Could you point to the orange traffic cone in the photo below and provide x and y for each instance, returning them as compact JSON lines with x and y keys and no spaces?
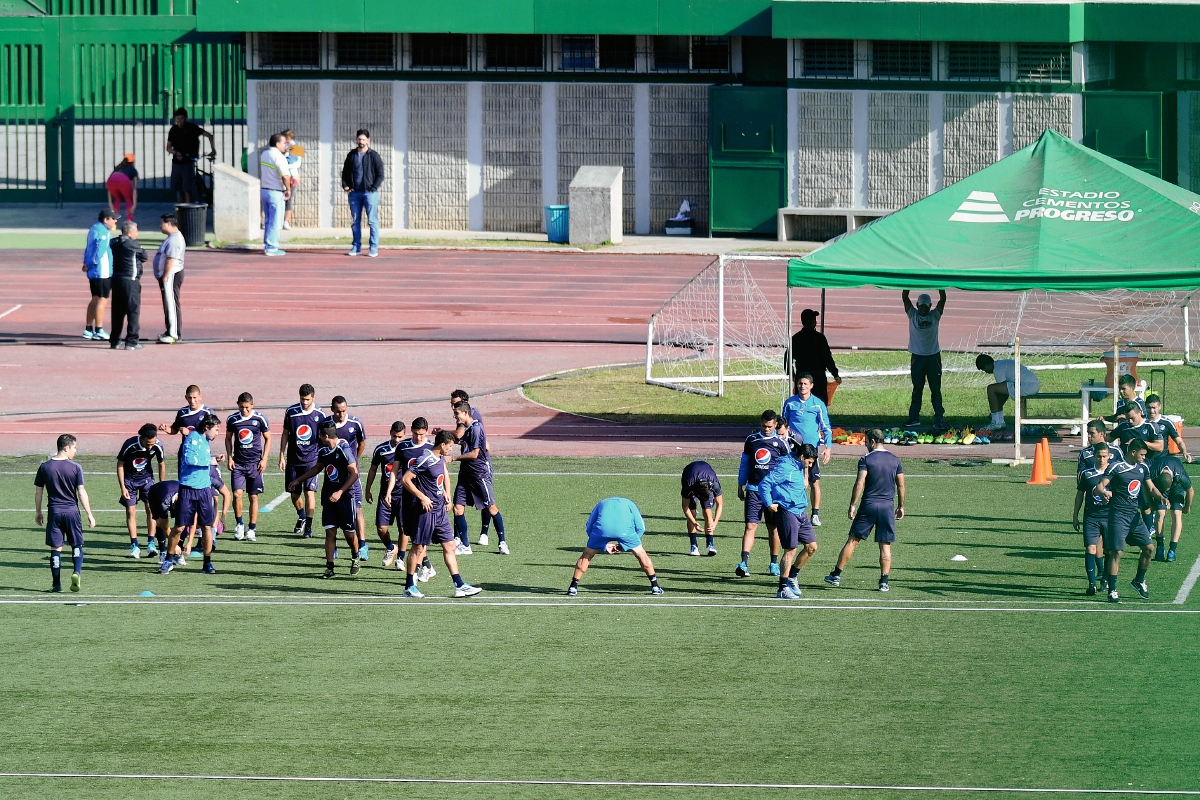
{"x":1041,"y":469}
{"x":1045,"y":445}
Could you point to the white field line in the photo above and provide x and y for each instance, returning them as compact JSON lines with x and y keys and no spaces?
{"x":271,"y":506}
{"x":675,"y":475}
{"x":583,"y":782}
{"x":1189,"y":583}
{"x":11,"y":310}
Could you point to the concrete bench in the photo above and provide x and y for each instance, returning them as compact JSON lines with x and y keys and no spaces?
{"x":822,"y":224}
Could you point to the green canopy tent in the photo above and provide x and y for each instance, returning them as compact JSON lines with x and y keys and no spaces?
{"x":1054,"y":216}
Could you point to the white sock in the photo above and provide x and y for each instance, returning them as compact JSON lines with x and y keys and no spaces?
{"x":998,"y":418}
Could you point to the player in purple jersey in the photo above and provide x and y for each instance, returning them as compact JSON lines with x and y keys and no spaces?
{"x":407,"y":453}
{"x":336,"y":461}
{"x":383,"y":461}
{"x":425,"y":517}
{"x":700,"y":487}
{"x":187,"y":416}
{"x":759,"y":453}
{"x":458,"y":397}
{"x":350,"y":430}
{"x":247,"y":446}
{"x":135,"y":476}
{"x":297,"y":454}
{"x":880,"y":483}
{"x":61,"y":479}
{"x":474,"y":486}
{"x":1122,"y":486}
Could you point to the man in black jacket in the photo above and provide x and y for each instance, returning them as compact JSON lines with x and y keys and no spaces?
{"x":811,"y":354}
{"x":362,"y":175}
{"x":128,"y":258}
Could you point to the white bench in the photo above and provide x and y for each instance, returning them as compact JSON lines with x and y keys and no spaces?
{"x":791,"y":220}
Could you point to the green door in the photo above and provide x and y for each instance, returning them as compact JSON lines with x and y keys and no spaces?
{"x":747,"y":158}
{"x":1126,"y":126}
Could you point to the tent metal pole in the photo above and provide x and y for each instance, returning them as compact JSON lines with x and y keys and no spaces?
{"x":1116,"y":387}
{"x":649,"y":347}
{"x":721,"y":327}
{"x":1017,"y":399}
{"x":822,"y":311}
{"x":1187,"y":334}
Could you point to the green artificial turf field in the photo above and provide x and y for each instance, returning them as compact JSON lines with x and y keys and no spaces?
{"x":994,"y":672}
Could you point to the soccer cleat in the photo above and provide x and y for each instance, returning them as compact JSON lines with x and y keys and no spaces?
{"x":413,"y":591}
{"x":1171,"y":555}
{"x":656,"y":590}
{"x":572,"y":591}
{"x":166,"y":566}
{"x":239,"y":532}
{"x":152,"y":548}
{"x":307,"y":533}
{"x":424,"y":573}
{"x":135,"y":346}
{"x":773,"y":569}
{"x":134,"y":551}
{"x":180,"y":561}
{"x":1091,"y":590}
{"x":363,"y":553}
{"x":795,"y":584}
{"x":695,"y":551}
{"x":1113,"y":597}
{"x":389,"y":557}
{"x":355,"y":566}
{"x":833,"y":580}
{"x":87,"y":334}
{"x":712,"y":550}
{"x":167,"y":339}
{"x":209,"y":569}
{"x":787,"y":593}
{"x":352,"y":253}
{"x":328,"y":573}
{"x":884,"y":587}
{"x":816,"y":521}
{"x":503,"y":550}
{"x":466,"y":590}
{"x":251,"y":535}
{"x":298,"y":528}
{"x":483,"y":540}
{"x":742,"y":570}
{"x":75,"y":582}
{"x":1141,"y":588}
{"x":461,"y":549}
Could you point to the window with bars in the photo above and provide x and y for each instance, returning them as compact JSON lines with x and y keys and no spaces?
{"x":289,"y":50}
{"x":366,"y":50}
{"x":1191,"y":62}
{"x":671,"y":54}
{"x":618,"y":52}
{"x":1043,"y":62}
{"x":973,"y":61}
{"x":514,"y":51}
{"x":901,"y":60}
{"x":710,"y":53}
{"x":440,"y":51}
{"x":578,"y":53}
{"x":827,"y":58}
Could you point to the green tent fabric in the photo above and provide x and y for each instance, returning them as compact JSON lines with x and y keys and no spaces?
{"x":1055,"y":216}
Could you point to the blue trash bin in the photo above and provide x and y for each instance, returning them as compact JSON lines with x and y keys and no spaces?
{"x":558,"y":224}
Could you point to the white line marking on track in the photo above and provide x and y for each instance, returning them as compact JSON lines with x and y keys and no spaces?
{"x":14,"y":308}
{"x":271,"y":506}
{"x":1189,"y":583}
{"x":584,"y":782}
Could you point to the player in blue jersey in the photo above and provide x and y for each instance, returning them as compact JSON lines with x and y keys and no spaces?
{"x":1175,"y":486}
{"x":187,"y":416}
{"x":339,"y":466}
{"x":1095,"y":514}
{"x":383,"y":461}
{"x":880,"y":486}
{"x":700,"y":489}
{"x":425,"y":517}
{"x":135,"y":476}
{"x":457,"y":398}
{"x":1122,"y":485}
{"x":407,"y":454}
{"x":1165,"y":428}
{"x":783,"y":491}
{"x":297,"y":454}
{"x":474,"y":485}
{"x":759,"y":453}
{"x":163,"y":502}
{"x":247,"y":446}
{"x":351,"y":431}
{"x":195,"y":504}
{"x":808,"y":418}
{"x":61,"y":480}
{"x":615,"y":526}
{"x":1097,"y":433}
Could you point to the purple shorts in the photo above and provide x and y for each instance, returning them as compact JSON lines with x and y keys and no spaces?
{"x":880,"y":516}
{"x":794,"y":530}
{"x":64,"y":526}
{"x":339,"y":514}
{"x":218,"y":483}
{"x":246,"y":478}
{"x":294,"y":471}
{"x":195,"y":505}
{"x":474,"y":490}
{"x":139,"y":491}
{"x":428,"y":528}
{"x":755,"y":510}
{"x":387,"y":515}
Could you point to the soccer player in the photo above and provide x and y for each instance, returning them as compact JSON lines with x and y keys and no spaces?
{"x":458,"y":397}
{"x":408,"y":452}
{"x":135,"y":476}
{"x":187,"y":417}
{"x":195,"y":504}
{"x":247,"y":446}
{"x":1135,"y":428}
{"x":1175,"y":486}
{"x":474,"y":485}
{"x":1122,"y":486}
{"x":425,"y":517}
{"x":350,"y":430}
{"x":1097,"y":432}
{"x":62,"y":481}
{"x":1126,"y":397}
{"x":337,"y":461}
{"x":298,"y":453}
{"x":783,"y":491}
{"x":383,"y":460}
{"x":1166,"y":429}
{"x":615,"y":526}
{"x":880,"y":483}
{"x":760,"y":452}
{"x":1095,"y":514}
{"x":163,"y":502}
{"x":808,"y":418}
{"x":701,"y":487}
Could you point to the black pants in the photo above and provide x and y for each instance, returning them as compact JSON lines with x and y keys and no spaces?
{"x":126,"y":310}
{"x":926,"y":368}
{"x":172,"y":311}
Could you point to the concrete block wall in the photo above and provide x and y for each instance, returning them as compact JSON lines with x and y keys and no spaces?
{"x":361,"y":104}
{"x":437,"y":155}
{"x":1035,"y":113}
{"x":596,"y":128}
{"x":291,"y":104}
{"x":512,"y":157}
{"x":678,"y":153}
{"x":824,"y":149}
{"x":969,"y":135}
{"x":898,"y":155}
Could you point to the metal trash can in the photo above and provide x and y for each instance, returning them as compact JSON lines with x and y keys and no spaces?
{"x":193,"y":222}
{"x":558,"y":227}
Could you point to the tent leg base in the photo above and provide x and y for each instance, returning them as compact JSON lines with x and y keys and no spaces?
{"x":1012,"y":462}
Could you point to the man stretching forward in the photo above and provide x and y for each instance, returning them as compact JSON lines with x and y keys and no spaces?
{"x":701,"y":488}
{"x":62,"y":481}
{"x":880,"y":480}
{"x":614,"y":526}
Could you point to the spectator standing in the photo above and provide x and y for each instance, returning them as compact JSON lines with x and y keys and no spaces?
{"x":122,"y":186}
{"x":925,"y":363}
{"x":183,"y":143}
{"x":97,"y":264}
{"x":128,"y":258}
{"x":168,"y":268}
{"x":276,"y":187}
{"x":811,"y":354}
{"x":295,"y":155}
{"x":362,"y":175}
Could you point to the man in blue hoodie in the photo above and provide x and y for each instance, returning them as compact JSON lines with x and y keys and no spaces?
{"x":98,"y":264}
{"x":783,"y":492}
{"x":195,"y":503}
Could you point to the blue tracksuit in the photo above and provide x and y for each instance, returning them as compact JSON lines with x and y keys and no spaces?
{"x":810,"y":419}
{"x":784,"y":486}
{"x":194,"y":461}
{"x":97,"y":254}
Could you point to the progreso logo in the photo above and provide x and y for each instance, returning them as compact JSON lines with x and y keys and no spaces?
{"x":1064,"y":204}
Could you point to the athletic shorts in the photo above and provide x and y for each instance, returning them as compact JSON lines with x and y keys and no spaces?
{"x":598,"y":541}
{"x":195,"y":504}
{"x":474,"y":490}
{"x":794,"y":530}
{"x":387,"y":515}
{"x":139,"y":490}
{"x":294,"y":471}
{"x":880,"y":516}
{"x":160,"y":506}
{"x":64,"y":527}
{"x":214,"y":474}
{"x":814,"y":472}
{"x":246,"y":478}
{"x":1094,"y":528}
{"x":1173,"y":501}
{"x":339,"y":514}
{"x":183,"y":176}
{"x":756,"y":511}
{"x":1125,"y":527}
{"x":428,"y":528}
{"x":356,"y":493}
{"x":101,"y":287}
{"x":693,"y":497}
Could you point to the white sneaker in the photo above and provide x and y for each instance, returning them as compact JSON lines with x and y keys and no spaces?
{"x":251,"y":536}
{"x":695,"y":551}
{"x":167,"y":339}
{"x":180,"y":560}
{"x":816,"y":521}
{"x":425,"y":573}
{"x":352,"y":253}
{"x":239,"y":532}
{"x":483,"y":540}
{"x":287,"y":226}
{"x":466,"y":590}
{"x":504,"y":548}
{"x":461,"y":549}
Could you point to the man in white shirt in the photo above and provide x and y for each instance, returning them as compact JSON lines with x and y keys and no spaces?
{"x":1004,"y":371}
{"x":925,"y":362}
{"x":275,"y":177}
{"x":168,"y":268}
